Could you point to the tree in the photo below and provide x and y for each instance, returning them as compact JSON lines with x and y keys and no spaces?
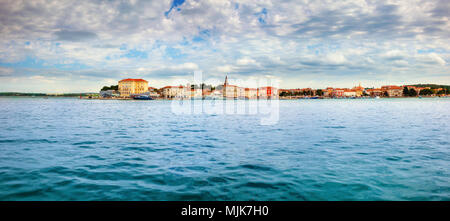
{"x":365,"y":93}
{"x":426,"y":92}
{"x":386,"y":94}
{"x":112,"y":87}
{"x":405,"y":91}
{"x":319,"y":92}
{"x":412,"y":92}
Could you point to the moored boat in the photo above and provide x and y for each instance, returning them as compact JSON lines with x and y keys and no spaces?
{"x":142,"y":97}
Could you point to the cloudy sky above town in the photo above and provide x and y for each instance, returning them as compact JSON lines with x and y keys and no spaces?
{"x":80,"y":46}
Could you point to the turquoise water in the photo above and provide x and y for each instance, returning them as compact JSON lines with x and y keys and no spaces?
{"x":374,"y":149}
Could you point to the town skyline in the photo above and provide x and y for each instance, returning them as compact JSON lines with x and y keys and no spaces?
{"x":216,"y":83}
{"x":136,"y":88}
{"x":60,"y":47}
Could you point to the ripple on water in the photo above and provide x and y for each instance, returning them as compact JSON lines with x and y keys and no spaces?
{"x":256,"y":167}
{"x":85,"y":143}
{"x":103,"y":150}
{"x":32,"y":141}
{"x":139,"y":149}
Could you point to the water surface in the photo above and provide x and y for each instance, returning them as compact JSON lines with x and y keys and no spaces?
{"x":72,"y":149}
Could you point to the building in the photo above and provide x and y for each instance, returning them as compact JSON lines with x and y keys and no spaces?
{"x":392,"y":90}
{"x":196,"y":93}
{"x":375,"y":92}
{"x":153,"y":92}
{"x":251,"y":93}
{"x":349,"y":93}
{"x":109,"y":94}
{"x":129,"y":87}
{"x":216,"y":94}
{"x":267,"y":92}
{"x":206,"y":92}
{"x":175,"y":92}
{"x":338,"y":92}
{"x":328,"y":92}
{"x":241,"y":92}
{"x":232,"y":91}
{"x":358,"y":90}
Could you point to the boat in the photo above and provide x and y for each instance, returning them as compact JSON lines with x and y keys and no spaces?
{"x":142,"y":97}
{"x":377,"y":97}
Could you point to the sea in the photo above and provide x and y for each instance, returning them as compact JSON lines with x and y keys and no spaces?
{"x":324,"y":149}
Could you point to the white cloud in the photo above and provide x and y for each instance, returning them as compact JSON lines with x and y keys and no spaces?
{"x":245,"y":61}
{"x":336,"y":58}
{"x":104,"y":40}
{"x":431,"y":58}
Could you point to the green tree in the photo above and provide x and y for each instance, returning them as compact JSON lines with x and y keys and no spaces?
{"x":365,"y":93}
{"x":319,"y":92}
{"x":426,"y":92}
{"x":405,"y":91}
{"x":412,"y":92}
{"x":112,"y":87}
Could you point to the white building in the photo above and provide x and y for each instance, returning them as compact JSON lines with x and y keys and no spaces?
{"x":350,"y":93}
{"x":267,"y":92}
{"x":175,"y":92}
{"x":196,"y":93}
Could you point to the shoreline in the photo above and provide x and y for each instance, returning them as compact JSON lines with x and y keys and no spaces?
{"x":299,"y":98}
{"x":279,"y":98}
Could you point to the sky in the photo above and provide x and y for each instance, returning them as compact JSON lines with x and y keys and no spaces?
{"x":80,"y":46}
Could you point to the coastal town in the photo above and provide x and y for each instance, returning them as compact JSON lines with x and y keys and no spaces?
{"x":139,"y":89}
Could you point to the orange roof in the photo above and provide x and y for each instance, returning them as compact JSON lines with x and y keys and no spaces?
{"x":131,"y":79}
{"x":268,"y":87}
{"x":174,"y":86}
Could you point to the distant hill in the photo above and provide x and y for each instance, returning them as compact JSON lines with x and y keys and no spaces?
{"x":432,"y":86}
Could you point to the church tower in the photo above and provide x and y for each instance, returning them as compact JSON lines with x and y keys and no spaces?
{"x":225,"y":85}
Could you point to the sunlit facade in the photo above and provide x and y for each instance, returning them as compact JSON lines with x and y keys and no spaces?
{"x":129,"y":87}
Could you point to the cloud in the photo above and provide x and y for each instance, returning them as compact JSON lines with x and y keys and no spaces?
{"x":294,"y":40}
{"x":75,"y":35}
{"x":6,"y":71}
{"x":432,"y":58}
{"x":245,"y":61}
{"x":395,"y":55}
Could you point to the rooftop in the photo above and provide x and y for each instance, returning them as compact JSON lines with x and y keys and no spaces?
{"x":131,"y":79}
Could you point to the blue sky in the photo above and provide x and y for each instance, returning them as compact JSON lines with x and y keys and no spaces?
{"x":59,"y":46}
